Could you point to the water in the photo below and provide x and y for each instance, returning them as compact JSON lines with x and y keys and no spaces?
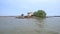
{"x":11,"y":25}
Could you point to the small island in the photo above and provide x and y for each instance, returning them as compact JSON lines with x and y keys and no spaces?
{"x":35,"y":14}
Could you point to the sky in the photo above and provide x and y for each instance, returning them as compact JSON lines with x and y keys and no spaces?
{"x":17,"y":7}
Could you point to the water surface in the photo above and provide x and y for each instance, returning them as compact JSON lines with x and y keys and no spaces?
{"x":11,"y":25}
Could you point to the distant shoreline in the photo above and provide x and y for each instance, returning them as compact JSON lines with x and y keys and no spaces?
{"x":52,"y":16}
{"x":7,"y":16}
{"x":15,"y":16}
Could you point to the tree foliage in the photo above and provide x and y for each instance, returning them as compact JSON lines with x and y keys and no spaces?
{"x":22,"y":14}
{"x":39,"y":13}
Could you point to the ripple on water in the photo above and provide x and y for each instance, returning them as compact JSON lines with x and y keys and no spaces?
{"x":26,"y":26}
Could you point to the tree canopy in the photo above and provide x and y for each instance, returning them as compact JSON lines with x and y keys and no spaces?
{"x":39,"y":13}
{"x":22,"y":14}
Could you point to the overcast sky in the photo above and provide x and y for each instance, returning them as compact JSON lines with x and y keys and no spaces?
{"x":17,"y":7}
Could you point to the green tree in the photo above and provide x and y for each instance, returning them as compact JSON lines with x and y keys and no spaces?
{"x":39,"y":13}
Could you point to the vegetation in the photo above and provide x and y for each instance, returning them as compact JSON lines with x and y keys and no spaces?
{"x":22,"y":14}
{"x":40,"y":13}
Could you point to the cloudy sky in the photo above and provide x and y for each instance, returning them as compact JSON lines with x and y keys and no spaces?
{"x":17,"y":7}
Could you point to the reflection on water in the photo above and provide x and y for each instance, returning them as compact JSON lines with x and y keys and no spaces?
{"x":11,"y":25}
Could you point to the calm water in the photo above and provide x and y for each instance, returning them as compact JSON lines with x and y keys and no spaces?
{"x":11,"y":25}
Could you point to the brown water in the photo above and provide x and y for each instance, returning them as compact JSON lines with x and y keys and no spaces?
{"x":11,"y":25}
